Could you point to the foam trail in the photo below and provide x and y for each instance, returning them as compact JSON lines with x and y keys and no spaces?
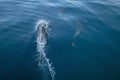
{"x":42,"y":31}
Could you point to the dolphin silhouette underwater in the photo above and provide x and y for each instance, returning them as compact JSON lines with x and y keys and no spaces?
{"x":77,"y":32}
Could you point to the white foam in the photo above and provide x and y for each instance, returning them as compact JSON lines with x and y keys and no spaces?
{"x":41,"y":40}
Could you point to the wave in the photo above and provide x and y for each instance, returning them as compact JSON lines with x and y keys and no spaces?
{"x":42,"y":31}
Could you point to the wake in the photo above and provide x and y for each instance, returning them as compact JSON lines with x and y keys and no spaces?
{"x":42,"y":31}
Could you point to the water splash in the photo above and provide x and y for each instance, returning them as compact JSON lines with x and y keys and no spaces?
{"x":42,"y":31}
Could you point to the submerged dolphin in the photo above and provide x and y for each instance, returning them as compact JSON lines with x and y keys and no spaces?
{"x":77,"y":32}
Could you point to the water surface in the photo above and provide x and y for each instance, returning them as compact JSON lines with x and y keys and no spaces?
{"x":96,"y":50}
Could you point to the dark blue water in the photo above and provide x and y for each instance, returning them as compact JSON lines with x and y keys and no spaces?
{"x":84,"y":43}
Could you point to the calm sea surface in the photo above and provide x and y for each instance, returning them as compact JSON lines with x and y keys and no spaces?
{"x":84,"y":43}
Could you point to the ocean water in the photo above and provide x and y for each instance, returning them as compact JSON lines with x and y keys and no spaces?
{"x":83,"y":44}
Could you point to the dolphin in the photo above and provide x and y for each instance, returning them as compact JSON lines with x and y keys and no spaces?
{"x":41,"y":28}
{"x":77,"y":32}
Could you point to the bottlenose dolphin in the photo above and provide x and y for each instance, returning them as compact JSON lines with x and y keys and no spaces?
{"x":77,"y":32}
{"x":41,"y":28}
